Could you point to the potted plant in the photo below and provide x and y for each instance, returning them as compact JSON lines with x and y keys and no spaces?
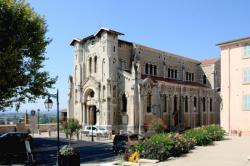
{"x":69,"y":155}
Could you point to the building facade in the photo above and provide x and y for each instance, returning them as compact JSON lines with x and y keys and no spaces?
{"x":123,"y":85}
{"x":235,"y":85}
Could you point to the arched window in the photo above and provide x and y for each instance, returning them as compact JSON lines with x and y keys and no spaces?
{"x":186,"y":104}
{"x":103,"y":92}
{"x":204,"y":104}
{"x":90,"y":65}
{"x":175,"y":113}
{"x":114,"y":91}
{"x":103,"y":61}
{"x":75,"y":74}
{"x":151,"y":69}
{"x":124,"y":103}
{"x":95,"y":63}
{"x":76,"y":96}
{"x":211,"y":104}
{"x":155,"y":70}
{"x":175,"y":74}
{"x":195,"y":104}
{"x":172,"y":73}
{"x":169,"y":73}
{"x":165,"y":103}
{"x":175,"y":103}
{"x":146,"y":68}
{"x":204,"y":79}
{"x":149,"y":102}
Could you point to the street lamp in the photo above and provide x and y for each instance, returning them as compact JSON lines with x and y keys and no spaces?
{"x":48,"y":105}
{"x":38,"y":110}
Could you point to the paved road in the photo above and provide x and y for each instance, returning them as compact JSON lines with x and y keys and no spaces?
{"x":44,"y":151}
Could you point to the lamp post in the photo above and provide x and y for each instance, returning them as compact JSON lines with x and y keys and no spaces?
{"x":48,"y":105}
{"x":38,"y":127}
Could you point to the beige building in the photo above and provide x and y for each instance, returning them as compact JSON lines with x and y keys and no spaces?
{"x":124,"y":85}
{"x":235,"y":84}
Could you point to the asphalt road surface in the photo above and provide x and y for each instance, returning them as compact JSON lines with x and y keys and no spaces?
{"x":45,"y":149}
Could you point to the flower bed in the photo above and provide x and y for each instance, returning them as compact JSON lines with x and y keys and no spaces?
{"x":156,"y":147}
{"x":164,"y":145}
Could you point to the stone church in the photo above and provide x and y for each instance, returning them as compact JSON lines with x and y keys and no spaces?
{"x":122,"y":85}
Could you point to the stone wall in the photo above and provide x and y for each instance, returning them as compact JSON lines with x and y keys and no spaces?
{"x":7,"y":128}
{"x":22,"y":128}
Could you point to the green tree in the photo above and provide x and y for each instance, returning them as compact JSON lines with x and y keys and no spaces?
{"x":71,"y":127}
{"x":22,"y":47}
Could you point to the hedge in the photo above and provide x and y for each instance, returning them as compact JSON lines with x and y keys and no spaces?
{"x":164,"y":145}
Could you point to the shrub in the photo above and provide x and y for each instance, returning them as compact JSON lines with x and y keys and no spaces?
{"x":200,"y":135}
{"x":162,"y":146}
{"x":157,"y":147}
{"x":181,"y":144}
{"x":158,"y":126}
{"x":67,"y":150}
{"x":215,"y":132}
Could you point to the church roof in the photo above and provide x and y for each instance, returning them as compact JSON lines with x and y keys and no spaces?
{"x":180,"y":82}
{"x":96,"y":34}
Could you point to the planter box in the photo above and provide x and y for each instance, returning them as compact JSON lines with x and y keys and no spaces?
{"x":69,"y":160}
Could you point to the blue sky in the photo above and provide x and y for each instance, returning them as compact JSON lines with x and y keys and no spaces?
{"x":186,"y":27}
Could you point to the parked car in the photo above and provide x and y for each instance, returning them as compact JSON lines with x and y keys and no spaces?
{"x":96,"y":130}
{"x":123,"y":141}
{"x":13,"y":149}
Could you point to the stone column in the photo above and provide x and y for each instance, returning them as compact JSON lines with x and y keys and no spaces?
{"x":141,"y":103}
{"x":190,"y":105}
{"x":208,"y":110}
{"x":169,"y":102}
{"x":181,"y":109}
{"x":83,"y":114}
{"x":88,"y":122}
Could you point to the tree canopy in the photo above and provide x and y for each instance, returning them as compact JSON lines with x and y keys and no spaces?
{"x":23,"y":44}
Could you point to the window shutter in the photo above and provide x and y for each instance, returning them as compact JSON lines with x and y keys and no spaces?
{"x":247,"y":50}
{"x":245,"y":102}
{"x":246,"y":78}
{"x":248,"y":102}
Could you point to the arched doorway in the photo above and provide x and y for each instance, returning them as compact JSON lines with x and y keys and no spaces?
{"x":92,"y":115}
{"x":91,"y":109}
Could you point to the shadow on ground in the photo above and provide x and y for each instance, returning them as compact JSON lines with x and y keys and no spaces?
{"x":90,"y":152}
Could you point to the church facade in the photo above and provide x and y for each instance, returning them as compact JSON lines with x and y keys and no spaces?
{"x":126,"y":86}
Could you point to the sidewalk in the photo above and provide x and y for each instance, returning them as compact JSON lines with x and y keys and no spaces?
{"x":234,"y":151}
